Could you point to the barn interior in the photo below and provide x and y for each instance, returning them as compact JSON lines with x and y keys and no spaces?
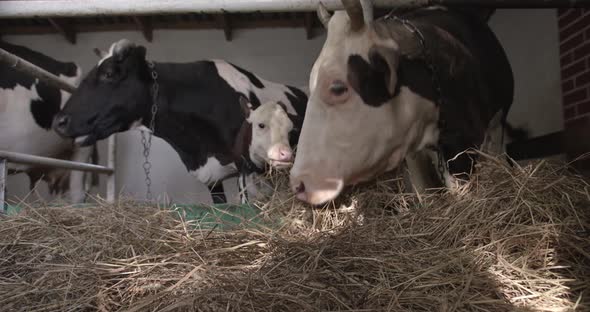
{"x":290,"y":41}
{"x":549,"y":50}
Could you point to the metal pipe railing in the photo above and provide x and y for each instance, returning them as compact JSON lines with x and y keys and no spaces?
{"x":26,"y":159}
{"x":67,"y":8}
{"x":3,"y":176}
{"x":31,"y":69}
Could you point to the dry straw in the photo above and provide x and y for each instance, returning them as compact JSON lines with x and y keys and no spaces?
{"x":512,"y":239}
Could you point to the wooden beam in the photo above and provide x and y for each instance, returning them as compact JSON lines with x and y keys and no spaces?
{"x":145,"y":25}
{"x":65,"y":28}
{"x":225,"y":24}
{"x":542,"y":146}
{"x":194,"y":24}
{"x":308,"y":24}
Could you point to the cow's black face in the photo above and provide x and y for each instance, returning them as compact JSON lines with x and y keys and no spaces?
{"x":111,"y":98}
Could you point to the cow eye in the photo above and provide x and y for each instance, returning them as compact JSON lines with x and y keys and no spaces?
{"x":338,"y":88}
{"x":108,"y":74}
{"x":261,"y":125}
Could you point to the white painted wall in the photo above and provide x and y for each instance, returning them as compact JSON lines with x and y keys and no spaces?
{"x":530,"y":38}
{"x":284,"y":55}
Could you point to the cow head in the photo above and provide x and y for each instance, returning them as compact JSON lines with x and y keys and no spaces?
{"x":111,"y":98}
{"x":353,"y":127}
{"x":270,"y":126}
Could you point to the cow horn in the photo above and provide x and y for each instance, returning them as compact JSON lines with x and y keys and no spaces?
{"x":323,"y":15}
{"x":355,"y":13}
{"x":367,"y":10}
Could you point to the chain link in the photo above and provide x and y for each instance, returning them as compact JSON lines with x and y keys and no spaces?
{"x":434,"y":76}
{"x":147,"y":142}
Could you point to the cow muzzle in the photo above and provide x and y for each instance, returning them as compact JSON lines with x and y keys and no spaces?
{"x":316,"y":191}
{"x":280,"y":156}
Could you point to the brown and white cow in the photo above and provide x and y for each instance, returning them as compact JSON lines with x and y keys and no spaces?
{"x":264,"y":142}
{"x":373,"y":102}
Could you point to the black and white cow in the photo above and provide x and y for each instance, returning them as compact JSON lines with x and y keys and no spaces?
{"x":27,"y":108}
{"x":198,"y":109}
{"x":373,"y":102}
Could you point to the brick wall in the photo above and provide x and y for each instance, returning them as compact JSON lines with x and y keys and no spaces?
{"x":574,"y":37}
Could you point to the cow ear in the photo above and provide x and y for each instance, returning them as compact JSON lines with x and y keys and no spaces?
{"x":100,"y":53}
{"x":245,"y":105}
{"x":283,"y":106}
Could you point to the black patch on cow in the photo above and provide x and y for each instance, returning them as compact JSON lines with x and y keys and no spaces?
{"x":369,"y":80}
{"x":45,"y":108}
{"x":253,"y":79}
{"x":299,"y":101}
{"x":254,"y":100}
{"x":414,"y":74}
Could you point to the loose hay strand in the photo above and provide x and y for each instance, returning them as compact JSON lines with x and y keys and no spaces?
{"x":511,"y":239}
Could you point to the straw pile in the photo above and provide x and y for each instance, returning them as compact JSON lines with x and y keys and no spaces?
{"x":513,"y":239}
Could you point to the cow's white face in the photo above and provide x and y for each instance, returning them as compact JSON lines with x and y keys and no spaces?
{"x":270,"y":136}
{"x":356,"y":124}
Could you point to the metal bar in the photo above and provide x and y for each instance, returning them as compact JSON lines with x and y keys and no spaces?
{"x":515,"y":4}
{"x":67,"y":8}
{"x":26,"y":159}
{"x":33,"y":70}
{"x":3,"y":175}
{"x":111,"y":163}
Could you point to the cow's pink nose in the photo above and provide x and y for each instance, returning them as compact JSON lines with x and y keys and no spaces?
{"x":285,"y":154}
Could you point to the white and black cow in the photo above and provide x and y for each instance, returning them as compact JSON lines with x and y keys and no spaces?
{"x":198,"y":109}
{"x":373,"y":102}
{"x":27,"y":109}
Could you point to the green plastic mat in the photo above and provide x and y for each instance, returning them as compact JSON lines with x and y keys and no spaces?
{"x":217,"y":216}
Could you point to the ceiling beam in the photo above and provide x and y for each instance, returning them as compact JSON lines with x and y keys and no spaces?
{"x":65,"y":28}
{"x":225,"y":24}
{"x":68,"y":8}
{"x":156,"y":24}
{"x":145,"y":25}
{"x":308,"y":24}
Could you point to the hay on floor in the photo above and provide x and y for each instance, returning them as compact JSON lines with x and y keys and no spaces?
{"x":511,"y":239}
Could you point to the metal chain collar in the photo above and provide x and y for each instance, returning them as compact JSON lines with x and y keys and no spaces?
{"x":434,"y":76}
{"x":147,"y":142}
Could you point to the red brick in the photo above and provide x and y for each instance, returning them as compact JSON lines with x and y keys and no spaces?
{"x":575,"y":97}
{"x":570,"y":112}
{"x":582,"y":51}
{"x":573,"y":69}
{"x":571,"y":43}
{"x":566,"y":59}
{"x":567,"y":86}
{"x":583,"y":79}
{"x":583,"y":108}
{"x":569,"y":17}
{"x":577,"y":26}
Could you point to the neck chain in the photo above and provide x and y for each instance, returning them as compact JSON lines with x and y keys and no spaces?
{"x":147,"y":142}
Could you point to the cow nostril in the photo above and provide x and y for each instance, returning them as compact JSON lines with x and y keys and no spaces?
{"x":300,"y":188}
{"x":284,"y":154}
{"x":63,"y":121}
